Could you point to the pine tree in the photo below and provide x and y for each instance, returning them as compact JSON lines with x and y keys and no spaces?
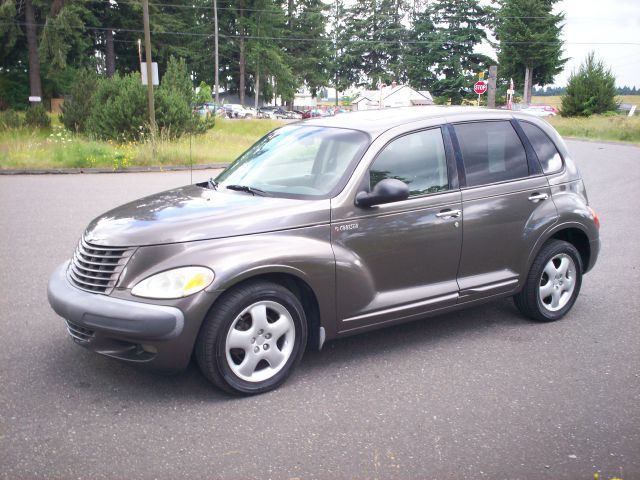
{"x":459,"y":27}
{"x":371,"y":43}
{"x":591,"y":90}
{"x":420,"y":48}
{"x":529,"y":42}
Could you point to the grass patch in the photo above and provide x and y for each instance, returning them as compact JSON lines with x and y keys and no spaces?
{"x":620,"y":128}
{"x":556,"y":102}
{"x":59,"y":148}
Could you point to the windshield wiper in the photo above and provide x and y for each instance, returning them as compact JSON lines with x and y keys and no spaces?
{"x":211,"y":184}
{"x":248,"y":189}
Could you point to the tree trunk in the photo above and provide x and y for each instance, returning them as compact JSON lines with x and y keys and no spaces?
{"x":110,"y":54}
{"x":217,"y":65}
{"x":242,"y":61}
{"x":530,"y":95}
{"x":241,"y":86}
{"x":35,"y":85}
{"x":257,"y":93}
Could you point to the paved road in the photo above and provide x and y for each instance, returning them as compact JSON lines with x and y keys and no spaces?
{"x":476,"y":394}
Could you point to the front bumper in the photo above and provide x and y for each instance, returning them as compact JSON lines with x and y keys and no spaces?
{"x":123,"y":329}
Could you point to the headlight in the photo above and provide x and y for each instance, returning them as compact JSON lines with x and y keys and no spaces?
{"x":176,"y":283}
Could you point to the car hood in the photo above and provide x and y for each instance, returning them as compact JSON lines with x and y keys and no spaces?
{"x":196,"y":213}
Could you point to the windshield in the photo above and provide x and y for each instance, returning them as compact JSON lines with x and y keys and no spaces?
{"x":297,"y":161}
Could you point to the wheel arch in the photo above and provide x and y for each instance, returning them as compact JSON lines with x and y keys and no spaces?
{"x":292,"y":280}
{"x":572,"y":233}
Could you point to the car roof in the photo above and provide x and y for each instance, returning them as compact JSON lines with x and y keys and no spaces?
{"x":375,"y":122}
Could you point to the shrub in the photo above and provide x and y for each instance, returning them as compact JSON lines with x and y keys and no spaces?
{"x":37,"y":117}
{"x":77,"y":109}
{"x":591,"y":90}
{"x":10,"y":119}
{"x":120,"y":109}
{"x":173,"y":113}
{"x":204,"y":94}
{"x":173,"y":100}
{"x":177,"y":79}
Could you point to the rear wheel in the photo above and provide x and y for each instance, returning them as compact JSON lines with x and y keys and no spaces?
{"x":553,"y":283}
{"x":253,"y":338}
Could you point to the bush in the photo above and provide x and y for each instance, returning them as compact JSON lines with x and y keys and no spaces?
{"x":204,"y":94}
{"x":37,"y":117}
{"x":10,"y":119}
{"x":173,"y":113}
{"x":120,"y":109}
{"x":76,"y":110}
{"x":590,"y":91}
{"x":173,"y":100}
{"x":177,"y":79}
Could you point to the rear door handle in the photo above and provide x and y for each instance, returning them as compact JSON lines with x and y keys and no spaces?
{"x":449,"y":214}
{"x":538,"y":197}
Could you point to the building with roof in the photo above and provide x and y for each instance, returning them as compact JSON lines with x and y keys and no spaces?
{"x":391,"y":96}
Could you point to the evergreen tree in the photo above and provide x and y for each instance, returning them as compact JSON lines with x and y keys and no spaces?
{"x":459,"y":27}
{"x":591,"y":90}
{"x":529,"y":42}
{"x":420,"y":49}
{"x":371,"y":43}
{"x":309,"y":56}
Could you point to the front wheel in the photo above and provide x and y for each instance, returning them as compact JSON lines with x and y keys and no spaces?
{"x":553,"y":283}
{"x":253,"y":338}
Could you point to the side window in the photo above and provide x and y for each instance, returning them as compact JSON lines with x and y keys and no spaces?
{"x":417,"y":159}
{"x":492,"y":152}
{"x":545,"y":149}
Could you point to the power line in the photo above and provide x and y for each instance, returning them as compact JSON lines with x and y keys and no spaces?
{"x":315,"y":40}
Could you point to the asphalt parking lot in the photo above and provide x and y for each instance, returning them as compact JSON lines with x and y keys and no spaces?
{"x":476,"y":394}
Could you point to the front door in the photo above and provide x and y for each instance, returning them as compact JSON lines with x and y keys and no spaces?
{"x":399,"y":260}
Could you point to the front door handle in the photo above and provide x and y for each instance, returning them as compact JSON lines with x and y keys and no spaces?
{"x":449,"y":214}
{"x":538,"y":197}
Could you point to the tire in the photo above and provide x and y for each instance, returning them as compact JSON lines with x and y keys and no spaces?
{"x":553,"y":283}
{"x":252,"y":339}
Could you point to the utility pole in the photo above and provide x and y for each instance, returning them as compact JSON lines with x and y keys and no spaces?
{"x":491,"y":93}
{"x":147,"y":52}
{"x":215,"y":34}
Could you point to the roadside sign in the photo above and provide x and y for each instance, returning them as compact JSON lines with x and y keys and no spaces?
{"x":35,"y":99}
{"x":481,"y":75}
{"x":154,"y":73}
{"x":480,"y":88}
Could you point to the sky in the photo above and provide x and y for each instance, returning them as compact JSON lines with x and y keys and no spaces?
{"x":589,"y":24}
{"x":611,"y":28}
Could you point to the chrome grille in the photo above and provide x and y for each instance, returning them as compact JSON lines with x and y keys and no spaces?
{"x":79,"y":333}
{"x":97,"y":269}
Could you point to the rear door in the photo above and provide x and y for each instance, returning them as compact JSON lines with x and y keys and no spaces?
{"x":506,"y":202}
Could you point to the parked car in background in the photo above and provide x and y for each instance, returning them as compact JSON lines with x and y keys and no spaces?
{"x":266,"y":112}
{"x":235,"y":110}
{"x":330,"y":227}
{"x":209,"y":109}
{"x":541,"y":110}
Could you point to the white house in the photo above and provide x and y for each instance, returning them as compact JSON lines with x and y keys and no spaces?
{"x":392,"y":96}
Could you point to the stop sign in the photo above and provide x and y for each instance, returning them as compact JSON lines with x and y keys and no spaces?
{"x":480,"y":87}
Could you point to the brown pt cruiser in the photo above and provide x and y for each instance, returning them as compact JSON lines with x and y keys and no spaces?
{"x":330,"y":227}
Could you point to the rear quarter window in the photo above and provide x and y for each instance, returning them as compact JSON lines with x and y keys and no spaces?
{"x":545,"y":149}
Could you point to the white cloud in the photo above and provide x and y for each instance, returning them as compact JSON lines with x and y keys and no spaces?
{"x":611,"y":28}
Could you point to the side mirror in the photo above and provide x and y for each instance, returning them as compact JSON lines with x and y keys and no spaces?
{"x":386,"y":191}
